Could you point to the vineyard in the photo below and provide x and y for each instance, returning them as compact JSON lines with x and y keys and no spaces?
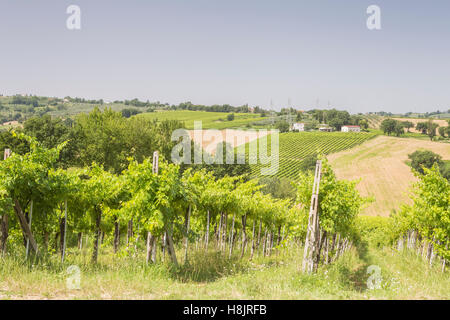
{"x":155,"y":221}
{"x":156,"y":202}
{"x":295,"y":146}
{"x":374,"y":120}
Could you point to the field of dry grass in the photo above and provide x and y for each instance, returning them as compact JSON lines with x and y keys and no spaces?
{"x":380,"y":163}
{"x":210,"y":138}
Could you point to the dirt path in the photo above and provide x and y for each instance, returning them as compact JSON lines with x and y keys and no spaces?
{"x":380,"y":163}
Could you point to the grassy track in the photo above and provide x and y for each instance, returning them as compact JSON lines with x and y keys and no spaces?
{"x":404,"y":276}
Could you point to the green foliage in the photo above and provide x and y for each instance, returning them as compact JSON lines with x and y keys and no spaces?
{"x":430,"y":212}
{"x":424,"y":158}
{"x":283,"y":126}
{"x":443,"y":131}
{"x":309,"y":163}
{"x":339,"y":200}
{"x":127,"y":113}
{"x":9,"y":140}
{"x":428,"y":128}
{"x":391,"y":126}
{"x":222,"y":167}
{"x":280,"y":188}
{"x":333,"y":117}
{"x":107,"y":138}
{"x":376,"y":231}
{"x":408,"y":125}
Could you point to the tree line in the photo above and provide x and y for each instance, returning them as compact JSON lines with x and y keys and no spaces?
{"x":396,"y":127}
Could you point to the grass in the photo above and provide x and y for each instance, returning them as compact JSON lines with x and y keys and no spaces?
{"x":213,"y":276}
{"x":381,"y":165}
{"x":210,"y":120}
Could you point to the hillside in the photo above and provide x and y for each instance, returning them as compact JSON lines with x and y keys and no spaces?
{"x":18,"y":109}
{"x":295,"y":146}
{"x":210,"y":120}
{"x":380,"y":163}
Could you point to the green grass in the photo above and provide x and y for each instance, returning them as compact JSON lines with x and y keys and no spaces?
{"x":213,"y":276}
{"x":295,"y":146}
{"x":210,"y":120}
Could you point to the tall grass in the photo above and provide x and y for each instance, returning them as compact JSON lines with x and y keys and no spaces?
{"x":211,"y":275}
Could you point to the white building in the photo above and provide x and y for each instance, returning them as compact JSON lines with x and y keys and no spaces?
{"x":351,"y":129}
{"x":298,"y":126}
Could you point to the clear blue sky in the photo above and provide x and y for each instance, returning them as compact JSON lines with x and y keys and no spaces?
{"x":232,"y":51}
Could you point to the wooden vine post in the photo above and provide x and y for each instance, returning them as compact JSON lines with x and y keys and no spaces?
{"x":29,"y":224}
{"x":7,"y":154}
{"x":63,"y":254}
{"x":151,"y":240}
{"x":4,"y":220}
{"x":313,"y":231}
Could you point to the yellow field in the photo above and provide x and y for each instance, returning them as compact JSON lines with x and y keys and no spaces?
{"x":208,"y":139}
{"x":380,"y":163}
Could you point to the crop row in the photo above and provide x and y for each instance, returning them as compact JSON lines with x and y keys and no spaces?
{"x":296,"y":146}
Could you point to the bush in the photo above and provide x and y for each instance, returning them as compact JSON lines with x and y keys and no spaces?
{"x":283,"y":126}
{"x":425,"y":158}
{"x":376,"y":231}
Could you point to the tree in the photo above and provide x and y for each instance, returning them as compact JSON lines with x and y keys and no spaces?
{"x":280,"y":188}
{"x":399,"y":129}
{"x":431,"y":129}
{"x":425,"y":158}
{"x":10,"y":140}
{"x":442,"y":131}
{"x":389,"y":126}
{"x":220,"y":167}
{"x":127,"y":113}
{"x":364,"y":124}
{"x":283,"y":126}
{"x":109,"y":139}
{"x":422,"y":127}
{"x":230,"y":117}
{"x":309,"y":163}
{"x":50,"y":133}
{"x":408,"y":125}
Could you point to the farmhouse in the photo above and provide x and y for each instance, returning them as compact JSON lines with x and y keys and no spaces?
{"x":325,"y":128}
{"x":298,"y":126}
{"x":351,"y":129}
